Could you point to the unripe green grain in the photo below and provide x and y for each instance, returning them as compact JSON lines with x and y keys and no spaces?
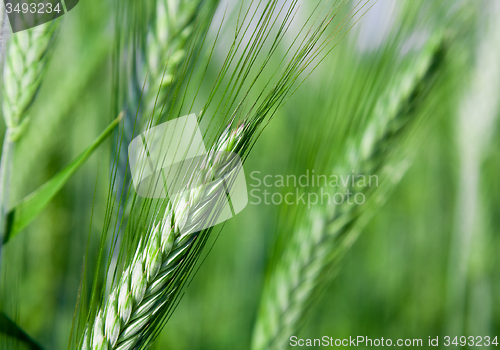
{"x":141,"y":291}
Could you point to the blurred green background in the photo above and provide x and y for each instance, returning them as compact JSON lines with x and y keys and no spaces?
{"x":394,"y":282}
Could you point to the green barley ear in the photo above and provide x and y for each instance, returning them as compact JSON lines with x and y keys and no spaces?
{"x":164,"y":238}
{"x":27,"y":55}
{"x":147,"y":284}
{"x":155,"y":46}
{"x":157,"y":40}
{"x":173,"y":27}
{"x":308,"y":254}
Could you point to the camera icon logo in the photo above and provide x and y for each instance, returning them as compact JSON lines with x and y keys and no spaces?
{"x":171,"y":161}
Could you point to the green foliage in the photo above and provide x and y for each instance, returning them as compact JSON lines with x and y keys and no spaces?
{"x":375,"y":104}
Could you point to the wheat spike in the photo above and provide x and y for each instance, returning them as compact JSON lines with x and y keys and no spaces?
{"x":157,"y":56}
{"x":146,"y":283}
{"x":27,"y":55}
{"x":167,"y":43}
{"x":324,"y":234}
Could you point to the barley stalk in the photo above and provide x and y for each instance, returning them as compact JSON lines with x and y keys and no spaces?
{"x":146,"y":283}
{"x":25,"y":61}
{"x":324,"y":234}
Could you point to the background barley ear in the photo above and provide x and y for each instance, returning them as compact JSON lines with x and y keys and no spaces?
{"x":172,"y":31}
{"x":27,"y":54}
{"x":151,"y":56}
{"x":308,"y":255}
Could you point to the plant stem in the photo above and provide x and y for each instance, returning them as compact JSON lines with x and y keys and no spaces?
{"x":5,"y":172}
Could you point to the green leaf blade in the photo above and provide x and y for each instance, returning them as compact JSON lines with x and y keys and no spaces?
{"x":10,"y":328}
{"x":27,"y":209}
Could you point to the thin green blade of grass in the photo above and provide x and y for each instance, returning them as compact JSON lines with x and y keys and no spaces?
{"x":10,"y":328}
{"x":28,"y":209}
